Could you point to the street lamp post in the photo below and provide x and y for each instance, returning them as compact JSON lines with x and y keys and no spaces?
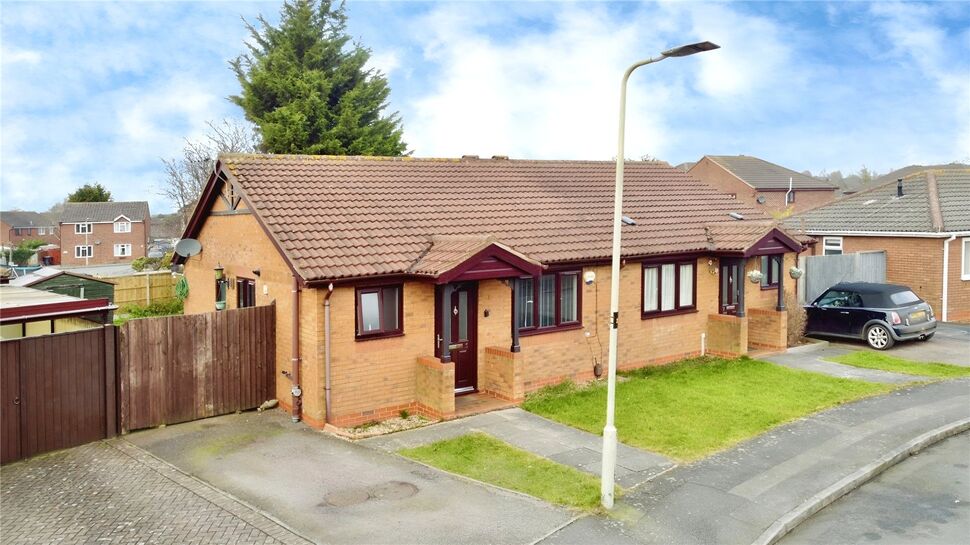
{"x":609,"y":431}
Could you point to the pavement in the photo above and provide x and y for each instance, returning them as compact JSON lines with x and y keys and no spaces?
{"x":817,"y":361}
{"x":924,"y":500}
{"x":579,"y":449}
{"x":733,"y":496}
{"x":334,"y":491}
{"x":950,"y":344}
{"x":109,"y":492}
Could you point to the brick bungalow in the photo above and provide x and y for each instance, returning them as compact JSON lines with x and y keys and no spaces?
{"x":921,"y":221}
{"x":762,"y":184}
{"x":405,"y":283}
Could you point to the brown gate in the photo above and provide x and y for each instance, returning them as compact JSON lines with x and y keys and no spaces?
{"x":58,"y":391}
{"x":180,"y":368}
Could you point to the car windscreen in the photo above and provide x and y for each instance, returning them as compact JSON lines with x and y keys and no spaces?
{"x":901,"y":298}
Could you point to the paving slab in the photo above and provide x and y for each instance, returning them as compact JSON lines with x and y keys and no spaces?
{"x":733,"y":496}
{"x":816,"y":361}
{"x":564,"y":444}
{"x":335,"y":491}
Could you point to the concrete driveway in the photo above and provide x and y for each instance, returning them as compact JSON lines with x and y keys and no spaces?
{"x":951,"y":344}
{"x":334,"y":491}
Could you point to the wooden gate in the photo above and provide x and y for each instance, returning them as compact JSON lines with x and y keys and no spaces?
{"x":180,"y":368}
{"x":58,"y":391}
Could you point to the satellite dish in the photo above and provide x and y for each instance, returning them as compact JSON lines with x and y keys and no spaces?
{"x":188,"y":247}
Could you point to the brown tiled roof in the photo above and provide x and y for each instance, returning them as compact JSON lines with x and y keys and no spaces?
{"x":738,"y":236}
{"x":445,"y":253}
{"x":761,"y":174}
{"x":339,"y":217}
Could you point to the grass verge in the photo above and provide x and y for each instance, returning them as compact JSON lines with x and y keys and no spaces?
{"x":690,"y":409}
{"x":875,"y":360}
{"x":487,"y":459}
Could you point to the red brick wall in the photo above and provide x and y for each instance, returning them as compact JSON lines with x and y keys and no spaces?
{"x":711,"y":173}
{"x":102,"y":239}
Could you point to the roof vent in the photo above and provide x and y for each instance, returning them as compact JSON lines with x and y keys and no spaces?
{"x":500,"y":157}
{"x":870,"y":201}
{"x":469,"y":157}
{"x":736,"y":215}
{"x":628,"y":220}
{"x":899,"y":187}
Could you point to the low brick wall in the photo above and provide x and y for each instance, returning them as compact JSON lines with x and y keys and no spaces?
{"x":504,"y":374}
{"x":435,"y":387}
{"x":727,"y":336}
{"x":767,"y":329}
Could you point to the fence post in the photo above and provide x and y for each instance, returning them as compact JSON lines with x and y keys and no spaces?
{"x":148,"y":288}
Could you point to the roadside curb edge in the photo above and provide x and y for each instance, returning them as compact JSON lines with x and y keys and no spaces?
{"x":789,"y":521}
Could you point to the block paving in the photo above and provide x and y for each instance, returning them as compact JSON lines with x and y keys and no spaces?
{"x":113,"y":492}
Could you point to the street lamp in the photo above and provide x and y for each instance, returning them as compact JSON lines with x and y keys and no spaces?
{"x":609,"y":431}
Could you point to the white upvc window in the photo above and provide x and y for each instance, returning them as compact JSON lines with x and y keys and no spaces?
{"x":965,"y":268}
{"x":122,"y":250}
{"x":84,"y":251}
{"x":122,"y":227}
{"x":832,"y":246}
{"x":82,"y":228}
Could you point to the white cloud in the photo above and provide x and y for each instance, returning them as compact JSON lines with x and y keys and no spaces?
{"x":26,"y":56}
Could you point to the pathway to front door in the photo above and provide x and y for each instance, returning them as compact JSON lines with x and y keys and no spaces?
{"x":539,"y":436}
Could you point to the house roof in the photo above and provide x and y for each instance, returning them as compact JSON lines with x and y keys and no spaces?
{"x":343,"y":217}
{"x":79,"y":212}
{"x":22,"y":303}
{"x":24,"y":218}
{"x":923,"y":208}
{"x":761,"y":174}
{"x":46,"y":273}
{"x":753,"y":236}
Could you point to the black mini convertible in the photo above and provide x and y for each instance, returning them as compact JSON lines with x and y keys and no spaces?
{"x":880,"y":314}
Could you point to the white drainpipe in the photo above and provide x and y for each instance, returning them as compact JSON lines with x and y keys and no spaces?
{"x":946,"y":270}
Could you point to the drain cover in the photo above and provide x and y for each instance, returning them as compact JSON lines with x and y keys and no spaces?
{"x":393,"y":490}
{"x":346,"y":497}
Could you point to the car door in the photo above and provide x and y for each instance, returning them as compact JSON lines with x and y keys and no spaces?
{"x":852,"y":316}
{"x":824,"y":314}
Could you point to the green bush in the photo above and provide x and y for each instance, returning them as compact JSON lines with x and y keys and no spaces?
{"x":161,"y":308}
{"x":153,"y":263}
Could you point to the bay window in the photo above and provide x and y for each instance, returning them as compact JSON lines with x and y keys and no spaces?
{"x":668,"y":288}
{"x":548,"y":302}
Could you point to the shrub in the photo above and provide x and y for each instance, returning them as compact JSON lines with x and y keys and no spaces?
{"x":796,"y":319}
{"x":160,"y":308}
{"x":153,"y":263}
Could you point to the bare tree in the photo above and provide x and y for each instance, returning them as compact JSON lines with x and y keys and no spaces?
{"x":186,"y":176}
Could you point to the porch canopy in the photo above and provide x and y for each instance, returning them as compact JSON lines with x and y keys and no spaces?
{"x":451,"y":260}
{"x":744,"y":239}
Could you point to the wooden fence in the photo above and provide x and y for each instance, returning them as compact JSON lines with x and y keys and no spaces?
{"x":57,"y":391}
{"x":144,"y":288}
{"x":67,"y":389}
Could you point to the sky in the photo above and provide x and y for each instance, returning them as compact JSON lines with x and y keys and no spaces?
{"x":102,"y":91}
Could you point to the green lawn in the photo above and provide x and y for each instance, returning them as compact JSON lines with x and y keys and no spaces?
{"x":885,"y":362}
{"x":487,"y":459}
{"x":693,"y":408}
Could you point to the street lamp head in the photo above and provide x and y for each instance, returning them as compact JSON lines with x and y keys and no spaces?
{"x":691,"y":49}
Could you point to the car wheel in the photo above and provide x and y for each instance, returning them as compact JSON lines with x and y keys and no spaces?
{"x":878,"y":337}
{"x":928,"y":337}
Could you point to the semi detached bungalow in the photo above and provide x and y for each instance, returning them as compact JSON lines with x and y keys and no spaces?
{"x":401,"y":283}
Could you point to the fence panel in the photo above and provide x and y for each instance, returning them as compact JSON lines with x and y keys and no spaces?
{"x":823,"y":271}
{"x":57,"y":391}
{"x":143,"y":289}
{"x":182,"y":368}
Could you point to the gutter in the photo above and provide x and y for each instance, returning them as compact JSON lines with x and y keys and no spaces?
{"x":946,"y":270}
{"x":295,"y":348}
{"x":326,"y":351}
{"x":914,"y":234}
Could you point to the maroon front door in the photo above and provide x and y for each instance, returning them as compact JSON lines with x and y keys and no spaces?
{"x":730,"y":278}
{"x":463,"y":311}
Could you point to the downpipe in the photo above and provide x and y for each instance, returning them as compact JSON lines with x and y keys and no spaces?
{"x":326,"y":351}
{"x":296,"y":392}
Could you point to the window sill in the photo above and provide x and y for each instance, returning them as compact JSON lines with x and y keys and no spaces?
{"x":771,"y":287}
{"x":650,"y":315}
{"x":375,"y":336}
{"x":540,"y":331}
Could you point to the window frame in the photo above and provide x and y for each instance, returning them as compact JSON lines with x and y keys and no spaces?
{"x":77,"y":251}
{"x":122,"y":244}
{"x":790,"y":197}
{"x":964,"y":268}
{"x":242,"y":288}
{"x":83,"y":228}
{"x":768,"y":281}
{"x":678,"y":309}
{"x":358,"y":317}
{"x":558,"y":324}
{"x":118,"y":224}
{"x":825,"y":245}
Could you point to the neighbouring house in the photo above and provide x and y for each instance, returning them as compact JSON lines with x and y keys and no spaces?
{"x":28,"y":312}
{"x":403,"y":283}
{"x":17,"y":226}
{"x":921,"y":221}
{"x":764,"y":185}
{"x":63,"y":282}
{"x":102,"y":233}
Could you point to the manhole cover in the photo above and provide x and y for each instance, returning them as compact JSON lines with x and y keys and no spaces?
{"x":347,"y":497}
{"x":393,"y":490}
